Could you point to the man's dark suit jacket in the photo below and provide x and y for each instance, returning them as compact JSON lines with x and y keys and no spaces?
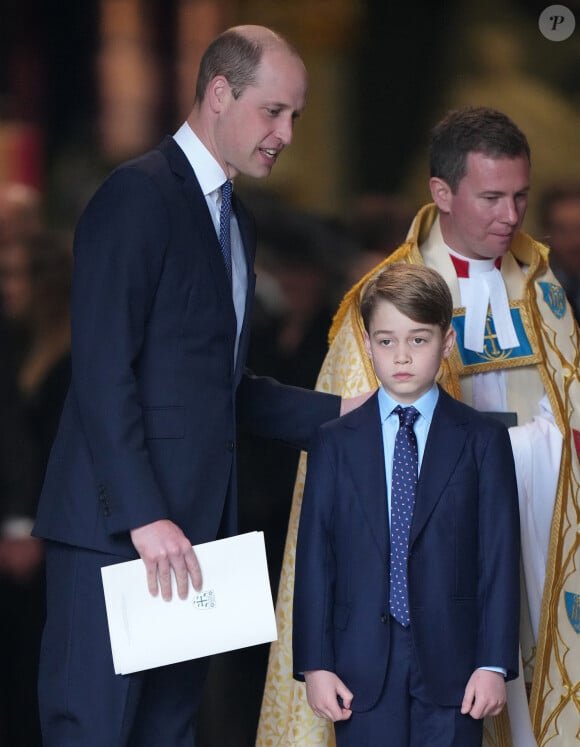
{"x":463,"y":557}
{"x":149,"y":424}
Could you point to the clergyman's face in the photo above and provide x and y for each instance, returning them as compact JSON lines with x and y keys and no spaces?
{"x":482,"y":217}
{"x":255,"y":128}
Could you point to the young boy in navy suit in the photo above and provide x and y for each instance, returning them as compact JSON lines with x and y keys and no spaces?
{"x":406,"y":602}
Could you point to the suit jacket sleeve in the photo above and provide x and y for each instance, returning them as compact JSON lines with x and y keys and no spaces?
{"x":287,"y":413}
{"x":119,"y":251}
{"x":315,"y":567}
{"x":499,"y":557}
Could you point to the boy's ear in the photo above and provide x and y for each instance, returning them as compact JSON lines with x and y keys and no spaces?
{"x":448,"y":342}
{"x":367,"y":340}
{"x":441,"y":193}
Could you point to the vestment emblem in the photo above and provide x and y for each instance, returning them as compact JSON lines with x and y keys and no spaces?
{"x":573,"y":609}
{"x":555,"y":297}
{"x":492,"y":353}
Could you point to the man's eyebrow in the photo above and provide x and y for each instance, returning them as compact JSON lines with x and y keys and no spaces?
{"x":499,"y":192}
{"x":280,"y":105}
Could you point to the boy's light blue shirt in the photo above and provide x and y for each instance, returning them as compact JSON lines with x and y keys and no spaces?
{"x":390,"y":425}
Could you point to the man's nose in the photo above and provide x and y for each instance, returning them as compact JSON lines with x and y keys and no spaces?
{"x":510,"y":212}
{"x":285,"y":130}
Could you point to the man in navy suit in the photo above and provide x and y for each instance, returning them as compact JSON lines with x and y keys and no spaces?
{"x":422,"y":667}
{"x":144,"y":460}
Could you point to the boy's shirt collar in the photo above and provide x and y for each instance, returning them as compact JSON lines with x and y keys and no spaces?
{"x":425,"y":404}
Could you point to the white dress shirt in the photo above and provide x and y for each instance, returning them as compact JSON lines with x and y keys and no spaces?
{"x":211,"y":176}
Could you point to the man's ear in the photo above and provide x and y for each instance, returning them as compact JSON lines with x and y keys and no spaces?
{"x":217,"y":92}
{"x":441,"y":193}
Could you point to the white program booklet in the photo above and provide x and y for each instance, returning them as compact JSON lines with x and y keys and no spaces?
{"x":233,"y":610}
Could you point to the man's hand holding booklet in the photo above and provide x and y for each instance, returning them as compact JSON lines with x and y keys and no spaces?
{"x":233,"y":609}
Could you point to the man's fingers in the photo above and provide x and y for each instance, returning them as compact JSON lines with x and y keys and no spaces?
{"x":194,"y":570}
{"x":183,"y":568}
{"x":166,"y":551}
{"x":181,"y":577}
{"x":164,"y":574}
{"x":151,"y":569}
{"x":467,"y":701}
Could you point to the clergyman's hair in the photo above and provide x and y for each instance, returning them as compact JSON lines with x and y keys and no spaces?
{"x":236,"y":56}
{"x":417,"y":291}
{"x":472,"y":130}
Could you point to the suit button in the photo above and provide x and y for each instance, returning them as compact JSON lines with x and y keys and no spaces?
{"x":384,"y":619}
{"x":230,"y":445}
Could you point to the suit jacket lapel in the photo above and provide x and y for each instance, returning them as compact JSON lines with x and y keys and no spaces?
{"x":444,"y":445}
{"x":366,"y":462}
{"x":201,"y":217}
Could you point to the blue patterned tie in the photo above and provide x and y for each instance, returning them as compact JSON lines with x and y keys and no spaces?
{"x":403,"y":489}
{"x":225,"y":213}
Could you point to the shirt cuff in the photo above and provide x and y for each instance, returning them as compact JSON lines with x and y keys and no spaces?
{"x":499,"y":670}
{"x":16,"y":527}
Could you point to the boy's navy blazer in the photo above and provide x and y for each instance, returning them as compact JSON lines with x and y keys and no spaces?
{"x":148,"y":428}
{"x":463,"y":557}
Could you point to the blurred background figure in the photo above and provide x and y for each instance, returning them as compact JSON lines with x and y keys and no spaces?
{"x":559,"y":214}
{"x":35,"y":279}
{"x":379,"y":223}
{"x":20,"y":210}
{"x":301,"y":259}
{"x":35,"y":272}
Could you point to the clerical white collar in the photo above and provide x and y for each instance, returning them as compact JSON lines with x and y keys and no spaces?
{"x":475,"y":266}
{"x":482,"y":289}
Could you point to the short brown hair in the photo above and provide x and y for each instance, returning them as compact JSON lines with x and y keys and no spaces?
{"x":236,"y":54}
{"x":417,"y":291}
{"x":475,"y":129}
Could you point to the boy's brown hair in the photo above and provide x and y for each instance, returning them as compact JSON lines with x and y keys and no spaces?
{"x":417,"y":291}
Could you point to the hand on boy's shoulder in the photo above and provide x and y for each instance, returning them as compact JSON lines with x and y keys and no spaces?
{"x":485,"y":694}
{"x":347,"y":404}
{"x":327,"y":695}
